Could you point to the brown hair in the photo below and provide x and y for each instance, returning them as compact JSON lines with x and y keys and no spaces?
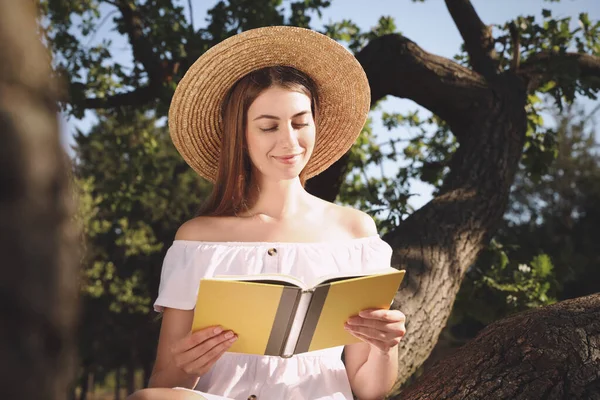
{"x":229,"y":194}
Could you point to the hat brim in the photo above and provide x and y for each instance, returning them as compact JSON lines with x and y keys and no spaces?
{"x":195,"y":122}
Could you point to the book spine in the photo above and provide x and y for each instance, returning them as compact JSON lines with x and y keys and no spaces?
{"x":283,"y":320}
{"x":312,"y":318}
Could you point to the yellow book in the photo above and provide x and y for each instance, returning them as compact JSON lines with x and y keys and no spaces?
{"x":280,"y":315}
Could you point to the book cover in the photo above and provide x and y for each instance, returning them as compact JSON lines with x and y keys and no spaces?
{"x":280,"y":315}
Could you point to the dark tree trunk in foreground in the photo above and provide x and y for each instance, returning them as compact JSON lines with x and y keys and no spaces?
{"x":549,"y":353}
{"x":37,"y":242}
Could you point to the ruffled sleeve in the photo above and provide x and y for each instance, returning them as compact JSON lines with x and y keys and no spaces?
{"x":179,"y":278}
{"x":376,"y":254}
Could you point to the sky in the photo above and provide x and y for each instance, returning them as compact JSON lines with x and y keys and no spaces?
{"x":428,"y":24}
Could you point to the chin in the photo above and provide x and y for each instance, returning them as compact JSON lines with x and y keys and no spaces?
{"x":288,"y":175}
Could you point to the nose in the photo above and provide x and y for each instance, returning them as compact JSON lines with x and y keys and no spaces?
{"x":288,"y":136}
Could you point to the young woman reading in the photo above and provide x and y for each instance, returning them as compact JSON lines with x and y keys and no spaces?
{"x":257,"y":115}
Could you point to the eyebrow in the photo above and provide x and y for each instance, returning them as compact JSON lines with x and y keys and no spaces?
{"x":277,"y":118}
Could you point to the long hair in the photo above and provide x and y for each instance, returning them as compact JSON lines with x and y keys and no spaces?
{"x":229,"y":194}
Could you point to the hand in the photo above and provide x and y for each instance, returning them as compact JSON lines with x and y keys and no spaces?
{"x":382,"y":329}
{"x":197,"y":352}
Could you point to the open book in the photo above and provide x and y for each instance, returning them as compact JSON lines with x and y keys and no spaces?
{"x":280,"y":315}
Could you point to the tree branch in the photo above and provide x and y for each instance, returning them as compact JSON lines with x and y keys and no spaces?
{"x":399,"y":67}
{"x":516,"y":46}
{"x":478,"y":38}
{"x":142,"y":49}
{"x":543,"y":67}
{"x":191,"y":14}
{"x":137,"y":97}
{"x":546,"y":353}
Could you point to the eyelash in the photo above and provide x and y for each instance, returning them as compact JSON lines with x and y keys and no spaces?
{"x":275,"y":128}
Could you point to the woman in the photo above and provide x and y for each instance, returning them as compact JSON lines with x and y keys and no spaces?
{"x":257,"y":115}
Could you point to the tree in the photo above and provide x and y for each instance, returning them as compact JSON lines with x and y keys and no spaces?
{"x":483,"y":104}
{"x":544,"y":250}
{"x":38,"y":247}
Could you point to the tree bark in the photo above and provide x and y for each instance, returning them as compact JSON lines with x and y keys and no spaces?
{"x":548,"y":353}
{"x":38,"y":288}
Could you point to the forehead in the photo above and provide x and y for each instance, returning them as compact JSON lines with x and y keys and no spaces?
{"x":279,"y":102}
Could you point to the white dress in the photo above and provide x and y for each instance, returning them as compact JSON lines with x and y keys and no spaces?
{"x":308,"y":376}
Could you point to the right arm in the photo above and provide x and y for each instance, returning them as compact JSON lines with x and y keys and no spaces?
{"x":183,"y":357}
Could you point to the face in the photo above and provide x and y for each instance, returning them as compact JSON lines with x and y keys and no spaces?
{"x":280,"y":133}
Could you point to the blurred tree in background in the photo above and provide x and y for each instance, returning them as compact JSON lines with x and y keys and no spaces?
{"x":485,"y":131}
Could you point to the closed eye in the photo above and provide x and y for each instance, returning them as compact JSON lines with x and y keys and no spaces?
{"x":296,"y":126}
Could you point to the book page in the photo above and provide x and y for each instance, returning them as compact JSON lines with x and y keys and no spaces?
{"x":279,"y":279}
{"x":297,"y":324}
{"x":330,"y":278}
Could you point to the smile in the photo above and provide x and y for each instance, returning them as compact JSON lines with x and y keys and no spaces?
{"x":289,"y":159}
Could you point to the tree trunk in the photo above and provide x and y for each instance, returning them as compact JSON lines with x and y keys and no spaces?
{"x":84,"y":386}
{"x":130,"y":378}
{"x":548,"y":353}
{"x":440,"y":241}
{"x":118,"y":384}
{"x":147,"y":373}
{"x":91,"y":384}
{"x":38,"y":288}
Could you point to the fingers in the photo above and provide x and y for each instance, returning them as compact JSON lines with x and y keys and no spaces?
{"x":392,"y":335}
{"x":382,"y":346}
{"x":383,"y":315}
{"x":374,"y":323}
{"x":394,"y":328}
{"x":199,"y":350}
{"x":196,"y":338}
{"x":201,"y":365}
{"x":194,"y":352}
{"x":381,"y":328}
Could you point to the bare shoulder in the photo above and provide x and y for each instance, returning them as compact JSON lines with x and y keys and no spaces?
{"x":201,"y":229}
{"x":356,"y":222}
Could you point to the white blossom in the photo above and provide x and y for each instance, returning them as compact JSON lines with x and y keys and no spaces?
{"x":524,"y":268}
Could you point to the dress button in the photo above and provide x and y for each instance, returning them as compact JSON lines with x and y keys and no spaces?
{"x":272,"y":251}
{"x":252,"y":397}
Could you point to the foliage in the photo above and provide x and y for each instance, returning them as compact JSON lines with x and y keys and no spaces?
{"x":134,"y":192}
{"x":162,"y":40}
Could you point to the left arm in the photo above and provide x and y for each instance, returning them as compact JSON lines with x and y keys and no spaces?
{"x":372,"y":366}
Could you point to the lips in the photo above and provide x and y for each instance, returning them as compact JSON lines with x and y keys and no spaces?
{"x":288,"y":159}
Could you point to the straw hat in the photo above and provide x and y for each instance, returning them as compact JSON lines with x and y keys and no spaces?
{"x":195,"y":121}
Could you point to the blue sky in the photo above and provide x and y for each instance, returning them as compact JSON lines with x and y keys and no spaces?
{"x":428,"y":24}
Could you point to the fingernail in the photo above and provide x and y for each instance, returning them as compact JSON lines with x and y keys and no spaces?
{"x":218,"y":330}
{"x":233,"y":339}
{"x":229,"y":335}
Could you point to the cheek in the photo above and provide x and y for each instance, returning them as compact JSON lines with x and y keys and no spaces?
{"x":307,"y":139}
{"x":258,"y":147}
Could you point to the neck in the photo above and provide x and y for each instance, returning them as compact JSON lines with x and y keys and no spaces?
{"x":279,"y":199}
